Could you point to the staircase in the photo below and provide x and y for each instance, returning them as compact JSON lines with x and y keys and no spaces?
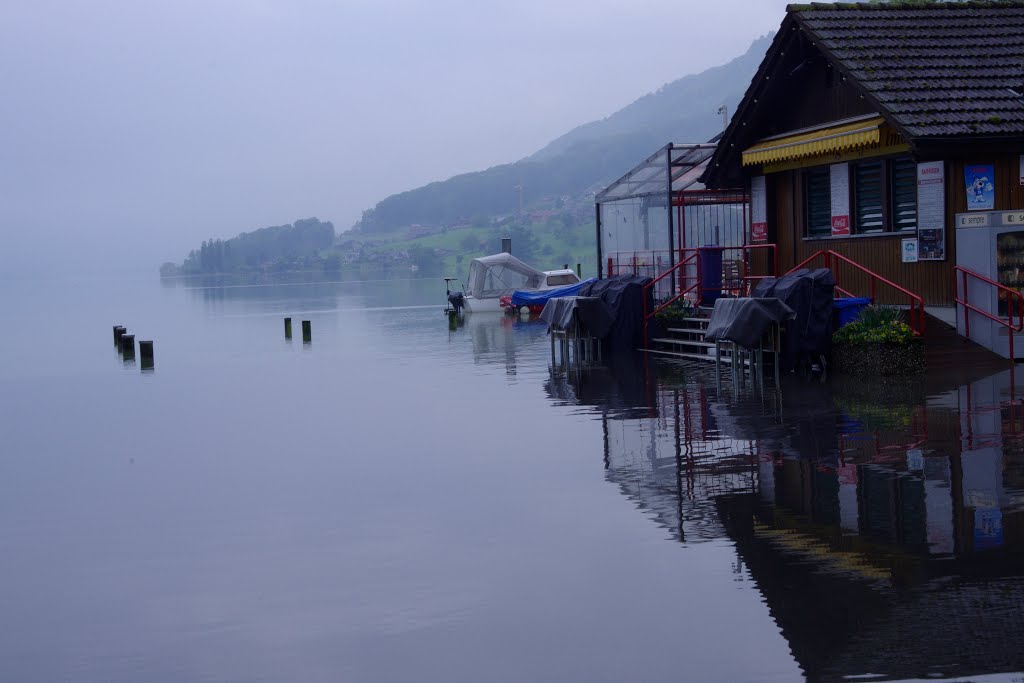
{"x":685,"y":339}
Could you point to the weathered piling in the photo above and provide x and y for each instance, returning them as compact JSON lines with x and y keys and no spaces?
{"x":579,"y":270}
{"x":506,"y":245}
{"x":307,"y":331}
{"x":453,"y":319}
{"x":287,"y":328}
{"x":118,"y":331}
{"x":128,"y":346}
{"x":146,"y":349}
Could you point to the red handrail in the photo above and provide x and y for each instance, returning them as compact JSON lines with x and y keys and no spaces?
{"x":745,"y":278}
{"x":1011,"y":296}
{"x":916,"y":302}
{"x":683,"y":292}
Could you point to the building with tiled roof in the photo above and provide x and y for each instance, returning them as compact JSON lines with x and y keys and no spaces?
{"x":869,"y":127}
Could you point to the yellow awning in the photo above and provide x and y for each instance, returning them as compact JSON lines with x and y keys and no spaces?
{"x":819,"y":141}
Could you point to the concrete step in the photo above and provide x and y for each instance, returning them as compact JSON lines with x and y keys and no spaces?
{"x":683,"y":342}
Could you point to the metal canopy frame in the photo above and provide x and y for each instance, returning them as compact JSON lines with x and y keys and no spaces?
{"x":669,"y":178}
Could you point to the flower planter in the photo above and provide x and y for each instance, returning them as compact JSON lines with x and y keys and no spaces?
{"x":879,"y":359}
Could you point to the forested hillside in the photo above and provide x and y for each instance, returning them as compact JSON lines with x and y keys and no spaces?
{"x":280,"y":247}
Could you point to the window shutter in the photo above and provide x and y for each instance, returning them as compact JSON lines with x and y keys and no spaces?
{"x":868,"y":193}
{"x":818,"y":210}
{"x":904,"y":195}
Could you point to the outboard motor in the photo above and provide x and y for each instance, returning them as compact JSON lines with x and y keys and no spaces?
{"x":457,"y":300}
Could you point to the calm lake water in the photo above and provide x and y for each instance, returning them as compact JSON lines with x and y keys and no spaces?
{"x":397,"y":501}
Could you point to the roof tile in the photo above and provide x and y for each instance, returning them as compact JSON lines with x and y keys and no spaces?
{"x":941,"y":70}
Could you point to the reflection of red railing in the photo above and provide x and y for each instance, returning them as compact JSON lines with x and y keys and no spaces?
{"x":682,"y":291}
{"x":1012,"y":295}
{"x":832,"y":258}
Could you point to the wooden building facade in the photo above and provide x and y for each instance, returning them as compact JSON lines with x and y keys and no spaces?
{"x":859,"y":113}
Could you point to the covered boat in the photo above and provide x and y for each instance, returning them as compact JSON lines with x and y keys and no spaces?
{"x":500,"y":275}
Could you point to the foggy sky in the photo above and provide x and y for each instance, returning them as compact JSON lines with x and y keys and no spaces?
{"x":130,"y":131}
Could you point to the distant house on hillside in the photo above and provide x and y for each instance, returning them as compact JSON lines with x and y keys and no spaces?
{"x":885,"y":133}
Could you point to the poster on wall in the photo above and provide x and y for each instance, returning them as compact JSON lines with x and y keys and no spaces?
{"x":839,"y":175}
{"x":981,"y":193}
{"x":931,"y":211}
{"x":909,"y":250}
{"x":758,"y":210}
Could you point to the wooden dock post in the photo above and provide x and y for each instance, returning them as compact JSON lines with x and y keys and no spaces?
{"x":118,"y":331}
{"x":307,"y":331}
{"x":128,"y":346}
{"x":287,"y":328}
{"x":146,"y":349}
{"x":579,"y":270}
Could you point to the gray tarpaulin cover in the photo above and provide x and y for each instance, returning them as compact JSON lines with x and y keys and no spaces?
{"x":592,"y":313}
{"x":745,"y":321}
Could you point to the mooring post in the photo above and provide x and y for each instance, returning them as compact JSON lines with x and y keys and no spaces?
{"x":128,"y":346}
{"x":146,"y":349}
{"x":453,"y":320}
{"x":287,"y":328}
{"x":119,"y":330}
{"x":307,"y":331}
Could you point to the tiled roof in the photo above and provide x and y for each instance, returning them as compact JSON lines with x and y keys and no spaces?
{"x":949,"y":69}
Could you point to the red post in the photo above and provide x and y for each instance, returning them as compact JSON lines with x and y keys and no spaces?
{"x":611,"y":271}
{"x":967,"y":310}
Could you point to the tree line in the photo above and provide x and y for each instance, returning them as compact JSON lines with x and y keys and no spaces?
{"x":280,"y":247}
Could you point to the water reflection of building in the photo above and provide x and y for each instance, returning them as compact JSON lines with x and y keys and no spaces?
{"x":883,"y":526}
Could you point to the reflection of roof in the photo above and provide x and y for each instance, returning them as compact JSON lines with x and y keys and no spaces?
{"x":840,"y":621}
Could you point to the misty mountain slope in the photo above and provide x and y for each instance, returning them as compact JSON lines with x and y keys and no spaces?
{"x":586,"y":158}
{"x":681,"y":111}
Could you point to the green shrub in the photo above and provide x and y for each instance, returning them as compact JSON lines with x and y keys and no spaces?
{"x":879,"y":316}
{"x":875,"y":325}
{"x":675,"y":312}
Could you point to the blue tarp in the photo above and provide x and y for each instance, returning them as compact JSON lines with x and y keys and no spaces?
{"x":540,"y":298}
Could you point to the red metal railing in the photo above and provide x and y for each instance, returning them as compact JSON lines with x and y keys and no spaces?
{"x":746,"y":280}
{"x":832,"y":258}
{"x":1012,"y":296}
{"x":683,"y":290}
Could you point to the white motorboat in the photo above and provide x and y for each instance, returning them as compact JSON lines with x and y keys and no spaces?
{"x":499,"y":275}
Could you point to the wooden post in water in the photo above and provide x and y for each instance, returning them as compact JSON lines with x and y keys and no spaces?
{"x":118,"y":331}
{"x":307,"y":331}
{"x":579,"y":270}
{"x":146,"y":349}
{"x":128,"y":346}
{"x":453,"y":320}
{"x":287,"y":328}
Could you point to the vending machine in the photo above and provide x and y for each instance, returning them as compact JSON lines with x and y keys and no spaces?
{"x":991,"y":243}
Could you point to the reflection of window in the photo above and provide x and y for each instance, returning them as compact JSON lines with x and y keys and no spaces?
{"x":818,"y":201}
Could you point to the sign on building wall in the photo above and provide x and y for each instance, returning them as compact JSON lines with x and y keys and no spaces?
{"x":981,"y":192}
{"x":931,"y":211}
{"x":758,"y":210}
{"x":839,"y":174}
{"x":909,"y":250}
